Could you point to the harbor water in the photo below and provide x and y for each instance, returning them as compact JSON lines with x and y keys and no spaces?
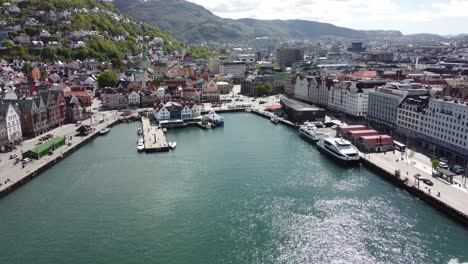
{"x":248,"y":192}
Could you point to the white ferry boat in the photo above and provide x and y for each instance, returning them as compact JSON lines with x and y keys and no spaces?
{"x":311,"y":133}
{"x":339,"y":149}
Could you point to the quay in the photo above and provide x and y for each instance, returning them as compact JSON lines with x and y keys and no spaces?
{"x":452,"y":200}
{"x":14,"y":176}
{"x":153,"y":137}
{"x":282,"y":120}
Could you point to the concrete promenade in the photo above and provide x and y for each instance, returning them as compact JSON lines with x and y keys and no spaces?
{"x":154,"y":138}
{"x":12,"y":176}
{"x":452,"y":196}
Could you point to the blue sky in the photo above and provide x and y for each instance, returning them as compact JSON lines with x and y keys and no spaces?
{"x":411,"y":16}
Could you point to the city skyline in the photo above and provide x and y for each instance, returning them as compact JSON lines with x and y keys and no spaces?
{"x":409,"y":17}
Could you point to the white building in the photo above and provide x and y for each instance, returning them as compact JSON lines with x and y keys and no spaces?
{"x":133,"y":98}
{"x":409,"y":115}
{"x":301,"y":88}
{"x":13,"y":122}
{"x":348,"y":99}
{"x":162,"y":114}
{"x":236,"y":68}
{"x":444,"y":125}
{"x":186,"y":112}
{"x":383,"y":102}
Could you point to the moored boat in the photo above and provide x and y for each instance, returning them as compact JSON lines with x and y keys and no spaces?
{"x":339,"y":149}
{"x":104,"y":131}
{"x":274,"y":120}
{"x":311,"y":133}
{"x":172,"y":145}
{"x":215,"y":119}
{"x":140,"y":144}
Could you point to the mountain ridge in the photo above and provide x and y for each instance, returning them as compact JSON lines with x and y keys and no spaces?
{"x":188,"y":21}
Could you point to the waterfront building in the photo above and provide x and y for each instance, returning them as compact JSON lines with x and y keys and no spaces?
{"x":30,"y":117}
{"x":290,"y":84}
{"x":300,"y":112}
{"x":349,"y":99}
{"x":383,"y":102}
{"x":375,"y":143}
{"x":302,"y":87}
{"x":444,"y":127}
{"x":344,"y":130}
{"x":42,"y":114}
{"x":11,"y":117}
{"x":74,"y":110}
{"x":409,"y":115}
{"x":3,"y":132}
{"x":133,"y":98}
{"x":111,"y":99}
{"x":286,"y":56}
{"x":175,"y":110}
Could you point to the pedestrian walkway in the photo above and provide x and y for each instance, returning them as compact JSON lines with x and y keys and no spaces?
{"x":449,"y":194}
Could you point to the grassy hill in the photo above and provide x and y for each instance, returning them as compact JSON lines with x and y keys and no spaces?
{"x":191,"y":22}
{"x":108,"y":32}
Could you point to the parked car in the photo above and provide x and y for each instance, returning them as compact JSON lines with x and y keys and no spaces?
{"x":443,"y":165}
{"x":78,"y":123}
{"x":419,"y":177}
{"x":13,"y":156}
{"x":458,"y":169}
{"x":444,"y":160}
{"x":428,"y":182}
{"x":26,"y":161}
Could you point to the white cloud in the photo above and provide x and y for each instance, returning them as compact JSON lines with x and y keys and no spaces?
{"x":359,"y":14}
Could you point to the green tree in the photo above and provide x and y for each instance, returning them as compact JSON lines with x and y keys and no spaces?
{"x":8,"y":43}
{"x":107,"y":79}
{"x":435,"y":164}
{"x":263,"y":88}
{"x":117,"y":63}
{"x":27,"y":67}
{"x":157,"y":81}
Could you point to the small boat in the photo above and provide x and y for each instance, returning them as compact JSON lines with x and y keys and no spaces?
{"x":139,"y":132}
{"x":140,"y":144}
{"x":104,"y":131}
{"x":274,"y":120}
{"x":164,"y":130}
{"x":172,"y":145}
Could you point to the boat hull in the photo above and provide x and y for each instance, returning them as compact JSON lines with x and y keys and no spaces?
{"x":308,"y":138}
{"x":341,"y":161}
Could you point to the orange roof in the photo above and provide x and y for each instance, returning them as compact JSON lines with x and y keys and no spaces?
{"x":364,"y":74}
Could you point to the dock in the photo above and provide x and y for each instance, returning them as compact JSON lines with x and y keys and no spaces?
{"x":451,"y":201}
{"x":153,"y":137}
